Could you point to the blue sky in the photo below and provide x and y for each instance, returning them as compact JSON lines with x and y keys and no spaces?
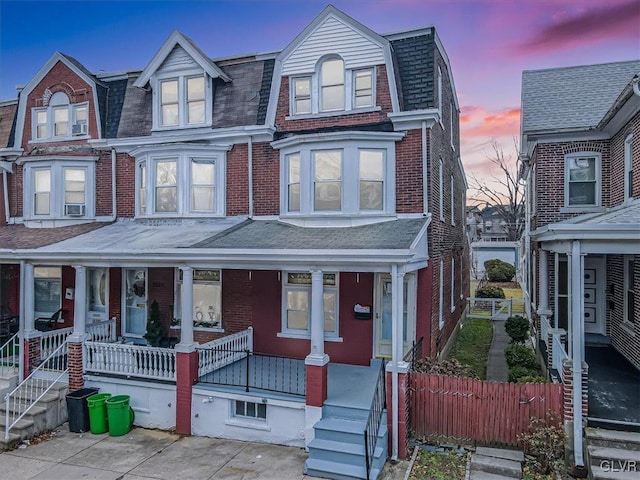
{"x":489,"y":42}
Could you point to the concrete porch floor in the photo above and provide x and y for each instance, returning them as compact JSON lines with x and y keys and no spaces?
{"x":614,"y":386}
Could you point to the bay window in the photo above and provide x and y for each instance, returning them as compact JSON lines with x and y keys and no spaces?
{"x":327,"y":180}
{"x":582,"y":172}
{"x":166,"y":186}
{"x":371,"y":163}
{"x":296,"y":301}
{"x":74,"y":186}
{"x":42,"y":191}
{"x":203,"y":185}
{"x":207,"y":298}
{"x":293,"y":185}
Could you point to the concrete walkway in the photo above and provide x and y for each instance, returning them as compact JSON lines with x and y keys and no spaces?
{"x":497,"y":369}
{"x":144,"y":454}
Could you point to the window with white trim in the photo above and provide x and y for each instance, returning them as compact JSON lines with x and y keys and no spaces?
{"x":453,"y":283}
{"x":186,"y":183}
{"x":47,"y":286}
{"x":59,"y":189}
{"x":250,"y":410}
{"x":582,"y":179}
{"x":441,"y":189}
{"x":453,"y":201}
{"x":441,"y":297}
{"x":629,"y":289}
{"x":451,"y":125}
{"x":207,"y":298}
{"x":628,"y":168}
{"x":296,"y":304}
{"x":332,"y":88}
{"x":97,"y":293}
{"x":440,"y":91}
{"x":182,"y":101}
{"x":60,"y":120}
{"x":354,"y":177}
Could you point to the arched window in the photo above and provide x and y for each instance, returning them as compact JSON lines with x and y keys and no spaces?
{"x":60,"y":110}
{"x":332,"y":84}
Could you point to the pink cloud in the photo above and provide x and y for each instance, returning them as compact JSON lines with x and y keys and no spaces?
{"x":477,"y":122}
{"x":586,"y":28}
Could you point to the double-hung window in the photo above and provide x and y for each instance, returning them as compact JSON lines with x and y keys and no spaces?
{"x":60,"y":119}
{"x":301,"y":95}
{"x":363,"y":88}
{"x":42,"y":191}
{"x":441,"y":189}
{"x":195,"y":100}
{"x":371,"y":184}
{"x":203,"y":185}
{"x":441,"y":297}
{"x":166,"y":186}
{"x":169,"y":106}
{"x":47,"y":282}
{"x":207,"y":298}
{"x":75,"y":180}
{"x":628,"y":168}
{"x":293,"y":183}
{"x":296,"y":300}
{"x":453,"y":284}
{"x":332,"y":85}
{"x":327,"y":180}
{"x":452,"y":200}
{"x":142,"y":190}
{"x":582,"y":171}
{"x":182,"y":101}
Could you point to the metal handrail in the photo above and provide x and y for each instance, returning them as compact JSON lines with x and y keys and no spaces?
{"x":21,"y":399}
{"x":8,"y":356}
{"x":378,"y":404}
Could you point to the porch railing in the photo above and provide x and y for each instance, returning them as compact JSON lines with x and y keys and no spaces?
{"x":10,"y":356}
{"x":258,"y":371}
{"x":22,"y":398}
{"x":223,"y":351}
{"x":378,"y":405}
{"x":51,"y":340}
{"x":559,"y":354}
{"x":104,"y":331}
{"x":545,"y":329}
{"x":130,"y":360}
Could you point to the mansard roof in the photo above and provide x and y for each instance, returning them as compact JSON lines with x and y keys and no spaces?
{"x":572,"y":98}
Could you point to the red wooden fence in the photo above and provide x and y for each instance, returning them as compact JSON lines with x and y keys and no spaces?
{"x":464,"y":410}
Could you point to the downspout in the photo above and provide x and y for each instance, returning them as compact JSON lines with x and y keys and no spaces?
{"x":394,"y":368}
{"x":250,"y":176}
{"x":5,"y":192}
{"x":425,"y":178}
{"x":114,"y":201}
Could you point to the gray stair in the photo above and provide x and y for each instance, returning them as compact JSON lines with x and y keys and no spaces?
{"x":48,"y":413}
{"x":337,"y":451}
{"x":613,"y":455}
{"x":495,"y":464}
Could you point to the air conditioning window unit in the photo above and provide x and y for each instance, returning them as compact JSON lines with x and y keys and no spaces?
{"x":79,"y":129}
{"x":74,"y":210}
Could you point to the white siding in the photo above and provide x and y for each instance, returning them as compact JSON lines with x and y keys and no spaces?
{"x":333,"y":36}
{"x":178,"y":59}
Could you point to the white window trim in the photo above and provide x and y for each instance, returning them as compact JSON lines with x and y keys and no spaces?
{"x":453,"y":284}
{"x":177,"y":309}
{"x":183,"y":158}
{"x":598,"y":182}
{"x":291,"y":333}
{"x":40,"y":313}
{"x":625,"y":271}
{"x":93,"y":315}
{"x":181,"y":77}
{"x":316,"y":88}
{"x":350,"y":178}
{"x":440,"y":94}
{"x":441,"y":189}
{"x":628,"y":167}
{"x":441,"y":297}
{"x":453,"y":201}
{"x":451,"y":126}
{"x":292,"y":94}
{"x":56,"y":199}
{"x":72,"y":108}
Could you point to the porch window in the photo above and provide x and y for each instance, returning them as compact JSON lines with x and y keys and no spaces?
{"x":629,"y":285}
{"x":581,"y":180}
{"x":296,"y":292}
{"x":47,"y":282}
{"x":207,"y":298}
{"x":250,"y":410}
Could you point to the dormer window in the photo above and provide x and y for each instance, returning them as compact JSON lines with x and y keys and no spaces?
{"x":60,"y":120}
{"x":182,"y":102}
{"x":332,"y":88}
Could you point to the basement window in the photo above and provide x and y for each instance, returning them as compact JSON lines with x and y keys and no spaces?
{"x":250,"y":410}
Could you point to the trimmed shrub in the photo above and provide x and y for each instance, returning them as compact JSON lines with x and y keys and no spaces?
{"x":516,"y":373}
{"x":519,"y":355}
{"x":489,"y":264}
{"x":517,"y":327}
{"x":490,"y":292}
{"x":501,"y":273}
{"x":532,"y":379}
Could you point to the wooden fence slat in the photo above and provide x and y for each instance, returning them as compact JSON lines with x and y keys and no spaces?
{"x":463,"y":410}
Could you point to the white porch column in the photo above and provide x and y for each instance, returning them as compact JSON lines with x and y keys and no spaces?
{"x":29,"y":301}
{"x":186,"y":312}
{"x":317,"y":319}
{"x":79,"y":305}
{"x":543,"y":285}
{"x":577,"y":345}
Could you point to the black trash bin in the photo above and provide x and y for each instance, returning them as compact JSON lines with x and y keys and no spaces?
{"x":77,"y":409}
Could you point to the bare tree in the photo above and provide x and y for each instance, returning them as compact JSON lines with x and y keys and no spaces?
{"x":502,"y":190}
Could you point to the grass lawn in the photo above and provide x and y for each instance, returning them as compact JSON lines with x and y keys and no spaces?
{"x":438,"y":466}
{"x":472,"y":345}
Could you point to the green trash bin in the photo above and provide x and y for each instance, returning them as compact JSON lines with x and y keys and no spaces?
{"x":120,"y":415}
{"x":98,"y":413}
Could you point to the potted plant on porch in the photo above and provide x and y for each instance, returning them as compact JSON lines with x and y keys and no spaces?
{"x":155,"y":328}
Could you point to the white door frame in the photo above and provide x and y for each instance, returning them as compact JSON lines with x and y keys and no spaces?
{"x":123,"y":294}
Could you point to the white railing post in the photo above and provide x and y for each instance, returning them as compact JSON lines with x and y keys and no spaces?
{"x":250,"y":339}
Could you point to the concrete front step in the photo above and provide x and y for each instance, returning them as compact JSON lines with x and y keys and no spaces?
{"x":497,"y":466}
{"x":479,"y":475}
{"x":349,"y":413}
{"x":10,"y":443}
{"x":337,"y":471}
{"x":614,"y":472}
{"x":515,"y":455}
{"x":608,"y":453}
{"x":341,"y":452}
{"x":613,"y":438}
{"x":340,"y":430}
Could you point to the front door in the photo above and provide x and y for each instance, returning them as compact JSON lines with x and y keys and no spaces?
{"x":594,"y":294}
{"x":383,"y":315}
{"x":135,"y":301}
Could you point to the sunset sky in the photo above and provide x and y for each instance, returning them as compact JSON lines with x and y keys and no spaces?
{"x":489,"y":43}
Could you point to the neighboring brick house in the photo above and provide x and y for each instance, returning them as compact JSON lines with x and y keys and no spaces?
{"x":581,"y":144}
{"x":313,"y":198}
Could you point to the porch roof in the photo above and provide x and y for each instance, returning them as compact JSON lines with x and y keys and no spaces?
{"x":241,"y":243}
{"x":616,"y":230}
{"x":19,"y":237}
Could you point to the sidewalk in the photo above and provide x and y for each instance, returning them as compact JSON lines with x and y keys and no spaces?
{"x":497,"y":370}
{"x":144,"y":454}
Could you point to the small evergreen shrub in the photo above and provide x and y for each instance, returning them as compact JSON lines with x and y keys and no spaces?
{"x":499,"y":271}
{"x":519,"y":355}
{"x":516,"y":373}
{"x":517,"y":327}
{"x":490,"y":292}
{"x":155,"y":327}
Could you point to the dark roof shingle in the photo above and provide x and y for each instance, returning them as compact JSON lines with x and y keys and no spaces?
{"x":20,"y":237}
